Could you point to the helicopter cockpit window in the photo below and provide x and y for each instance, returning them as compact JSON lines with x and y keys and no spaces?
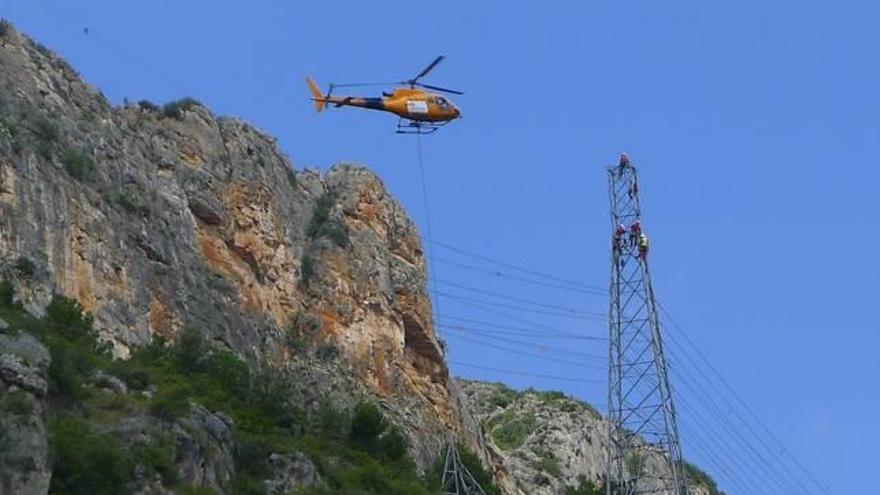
{"x":441,"y":102}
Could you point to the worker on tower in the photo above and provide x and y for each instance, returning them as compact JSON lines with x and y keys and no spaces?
{"x":634,"y":230}
{"x":622,"y":164}
{"x":643,"y":246}
{"x":633,"y":189}
{"x":618,"y":237}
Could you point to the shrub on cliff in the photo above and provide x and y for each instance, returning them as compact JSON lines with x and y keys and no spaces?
{"x":175,"y":109}
{"x":46,"y":134}
{"x":359,"y":452}
{"x":86,"y":462}
{"x":321,"y":225}
{"x":78,"y":164}
{"x":510,"y":430}
{"x":24,"y":267}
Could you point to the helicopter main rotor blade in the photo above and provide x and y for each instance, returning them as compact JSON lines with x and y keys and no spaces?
{"x":350,"y":85}
{"x":438,"y":88}
{"x":427,"y":69}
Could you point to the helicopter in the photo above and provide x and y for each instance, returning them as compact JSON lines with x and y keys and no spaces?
{"x":420,"y":111}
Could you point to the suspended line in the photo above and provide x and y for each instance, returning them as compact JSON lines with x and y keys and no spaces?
{"x":693,"y":383}
{"x":514,"y":318}
{"x":529,"y":354}
{"x":543,"y":348}
{"x":501,"y":274}
{"x":523,"y":331}
{"x":519,"y":299}
{"x":521,"y":309}
{"x":748,"y":409}
{"x":517,"y":268}
{"x":765,"y":472}
{"x":432,"y":275}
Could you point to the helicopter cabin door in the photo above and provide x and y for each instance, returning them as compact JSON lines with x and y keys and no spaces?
{"x":417,"y":107}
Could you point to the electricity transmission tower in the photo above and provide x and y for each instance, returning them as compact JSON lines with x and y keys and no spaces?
{"x":644,"y":450}
{"x":457,"y":480}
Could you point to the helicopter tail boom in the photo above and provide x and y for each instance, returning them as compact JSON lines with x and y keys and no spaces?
{"x":317,"y":97}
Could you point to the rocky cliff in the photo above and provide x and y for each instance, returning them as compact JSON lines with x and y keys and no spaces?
{"x":169,"y":225}
{"x":548,"y":442}
{"x":161,"y":219}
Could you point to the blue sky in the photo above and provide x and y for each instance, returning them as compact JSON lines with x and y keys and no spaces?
{"x":755,"y":127}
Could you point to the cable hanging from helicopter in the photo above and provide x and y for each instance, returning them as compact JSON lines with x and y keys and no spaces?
{"x":419,"y":111}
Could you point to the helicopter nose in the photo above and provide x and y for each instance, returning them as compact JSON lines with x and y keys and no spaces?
{"x":457,"y":113}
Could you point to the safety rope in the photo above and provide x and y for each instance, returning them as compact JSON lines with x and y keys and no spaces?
{"x":430,"y":244}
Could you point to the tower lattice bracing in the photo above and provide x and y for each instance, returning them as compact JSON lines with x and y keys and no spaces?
{"x":645,"y":453}
{"x":457,"y":480}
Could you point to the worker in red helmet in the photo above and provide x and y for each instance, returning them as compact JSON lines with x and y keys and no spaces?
{"x":634,"y":230}
{"x":618,"y":237}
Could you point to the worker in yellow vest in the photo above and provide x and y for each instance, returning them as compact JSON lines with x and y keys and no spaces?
{"x":643,"y":246}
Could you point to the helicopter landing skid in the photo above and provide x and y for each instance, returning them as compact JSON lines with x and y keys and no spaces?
{"x":405,"y":126}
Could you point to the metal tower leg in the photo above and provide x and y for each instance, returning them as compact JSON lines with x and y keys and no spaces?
{"x":457,"y":480}
{"x":644,"y":450}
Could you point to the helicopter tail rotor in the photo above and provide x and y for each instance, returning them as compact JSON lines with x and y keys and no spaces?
{"x":319,"y":99}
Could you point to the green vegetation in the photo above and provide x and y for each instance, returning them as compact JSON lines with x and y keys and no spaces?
{"x":10,"y":132}
{"x":24,"y":267}
{"x":85,"y":461}
{"x":302,"y":330}
{"x":473,"y":465}
{"x":4,"y":27}
{"x":291,"y":176}
{"x":510,"y":429}
{"x":157,"y":457}
{"x":78,"y":164}
{"x":308,"y":267}
{"x":17,"y":403}
{"x":697,"y":476}
{"x":503,"y":396}
{"x":634,"y":463}
{"x":46,"y":134}
{"x":321,"y":225}
{"x":356,"y":452}
{"x":175,"y":109}
{"x":327,"y":352}
{"x":562,"y":401}
{"x":130,"y":203}
{"x":548,"y":463}
{"x":586,"y":487}
{"x":148,"y":106}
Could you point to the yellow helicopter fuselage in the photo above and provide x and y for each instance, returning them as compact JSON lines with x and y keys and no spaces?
{"x":408,"y":103}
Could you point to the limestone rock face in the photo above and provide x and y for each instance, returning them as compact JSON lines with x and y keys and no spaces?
{"x":544,"y":441}
{"x":157,"y":221}
{"x":24,"y":449}
{"x":562,"y":439}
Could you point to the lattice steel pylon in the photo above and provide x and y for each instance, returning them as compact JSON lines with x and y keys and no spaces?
{"x":644,"y":449}
{"x":457,"y":480}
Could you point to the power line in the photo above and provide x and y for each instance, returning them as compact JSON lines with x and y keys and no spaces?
{"x":529,"y":332}
{"x":508,"y":297}
{"x":766,"y":472}
{"x":705,"y":398}
{"x":531,"y":345}
{"x":742,"y":402}
{"x":515,"y":267}
{"x":525,"y":353}
{"x":512,"y":307}
{"x":513,"y":317}
{"x":498,"y":273}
